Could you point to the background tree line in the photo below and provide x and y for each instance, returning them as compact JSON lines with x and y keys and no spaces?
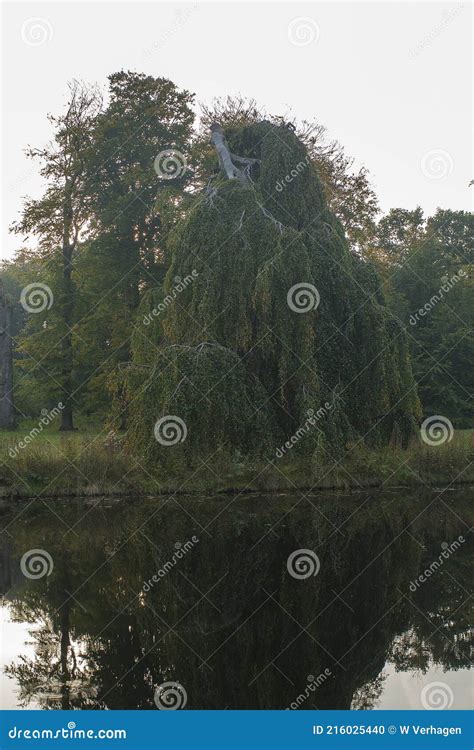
{"x":97,"y":238}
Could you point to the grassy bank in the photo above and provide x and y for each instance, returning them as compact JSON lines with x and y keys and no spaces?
{"x":90,"y":462}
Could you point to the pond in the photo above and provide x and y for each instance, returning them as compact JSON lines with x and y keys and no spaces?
{"x":260,"y":602}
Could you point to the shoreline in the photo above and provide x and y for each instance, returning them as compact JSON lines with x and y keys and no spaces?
{"x":310,"y":490}
{"x":93,"y":467}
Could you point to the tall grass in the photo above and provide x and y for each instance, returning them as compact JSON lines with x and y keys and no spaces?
{"x":76,"y":465}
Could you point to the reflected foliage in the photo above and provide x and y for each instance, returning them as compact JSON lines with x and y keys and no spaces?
{"x":147,"y":593}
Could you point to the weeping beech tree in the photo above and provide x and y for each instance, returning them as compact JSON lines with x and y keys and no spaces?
{"x":279,"y":322}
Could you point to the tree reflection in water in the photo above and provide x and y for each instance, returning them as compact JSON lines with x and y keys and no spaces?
{"x":223,"y":616}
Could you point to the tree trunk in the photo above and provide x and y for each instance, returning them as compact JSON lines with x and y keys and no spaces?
{"x":223,"y":152}
{"x":7,"y":411}
{"x":226,"y":158}
{"x":65,"y":644}
{"x":67,"y":421}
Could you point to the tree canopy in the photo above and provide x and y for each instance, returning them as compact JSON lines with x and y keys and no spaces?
{"x":162,"y":276}
{"x":276,"y":284}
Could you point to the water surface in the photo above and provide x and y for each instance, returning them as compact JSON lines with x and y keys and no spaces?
{"x":216,"y":595}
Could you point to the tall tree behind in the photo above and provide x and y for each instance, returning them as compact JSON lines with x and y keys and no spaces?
{"x":427,"y":268}
{"x":57,"y":221}
{"x":7,"y":415}
{"x":31,"y":384}
{"x":138,"y":173}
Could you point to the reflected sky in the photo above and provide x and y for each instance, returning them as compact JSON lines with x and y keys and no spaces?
{"x":245,"y":602}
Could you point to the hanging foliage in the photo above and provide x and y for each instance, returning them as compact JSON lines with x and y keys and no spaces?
{"x":195,"y":402}
{"x":279,"y":313}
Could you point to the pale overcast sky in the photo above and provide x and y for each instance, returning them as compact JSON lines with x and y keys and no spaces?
{"x":391,"y":81}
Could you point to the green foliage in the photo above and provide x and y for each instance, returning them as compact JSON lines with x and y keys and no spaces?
{"x":429,"y":277}
{"x":204,"y":272}
{"x":348,"y":192}
{"x":131,"y":565}
{"x":90,"y":465}
{"x":131,"y":211}
{"x":247,"y":247}
{"x":220,"y":405}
